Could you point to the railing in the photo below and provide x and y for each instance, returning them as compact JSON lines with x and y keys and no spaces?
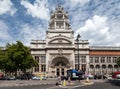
{"x":104,"y":48}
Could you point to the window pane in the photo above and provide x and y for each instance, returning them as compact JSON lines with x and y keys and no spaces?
{"x":43,"y":68}
{"x":43,"y":59}
{"x":36,"y":69}
{"x":37,"y":58}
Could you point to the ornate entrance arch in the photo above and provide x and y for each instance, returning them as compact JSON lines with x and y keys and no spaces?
{"x":61,"y":64}
{"x":60,"y":61}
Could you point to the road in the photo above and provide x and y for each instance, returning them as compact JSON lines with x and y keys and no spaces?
{"x":100,"y":86}
{"x":96,"y":85}
{"x":29,"y":87}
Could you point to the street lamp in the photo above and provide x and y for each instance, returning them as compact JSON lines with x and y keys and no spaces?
{"x":88,"y":61}
{"x":77,"y":39}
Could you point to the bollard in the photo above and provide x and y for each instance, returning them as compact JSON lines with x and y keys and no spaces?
{"x":40,"y":77}
{"x":64,"y":82}
{"x":87,"y":79}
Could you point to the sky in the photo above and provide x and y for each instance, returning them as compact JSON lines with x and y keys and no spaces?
{"x":97,"y":21}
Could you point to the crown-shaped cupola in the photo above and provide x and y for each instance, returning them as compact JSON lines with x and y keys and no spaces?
{"x":59,"y":20}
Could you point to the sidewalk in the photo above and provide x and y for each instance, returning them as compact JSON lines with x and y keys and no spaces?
{"x":10,"y":83}
{"x":115,"y":81}
{"x":76,"y":83}
{"x":82,"y":83}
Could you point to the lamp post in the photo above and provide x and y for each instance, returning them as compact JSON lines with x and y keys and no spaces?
{"x":77,"y":39}
{"x":87,"y":61}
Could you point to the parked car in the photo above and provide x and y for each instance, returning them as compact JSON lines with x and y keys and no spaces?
{"x":36,"y":78}
{"x":39,"y":78}
{"x":10,"y":78}
{"x":118,"y":76}
{"x":90,"y":76}
{"x":98,"y":76}
{"x":2,"y":77}
{"x":22,"y":77}
{"x":104,"y":76}
{"x":44,"y":77}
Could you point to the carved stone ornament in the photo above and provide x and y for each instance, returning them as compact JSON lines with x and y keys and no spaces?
{"x":60,"y":51}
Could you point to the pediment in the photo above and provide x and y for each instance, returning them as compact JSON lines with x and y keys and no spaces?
{"x":60,"y":41}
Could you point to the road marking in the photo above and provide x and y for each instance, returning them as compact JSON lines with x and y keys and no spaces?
{"x":66,"y":86}
{"x":53,"y":87}
{"x":72,"y":86}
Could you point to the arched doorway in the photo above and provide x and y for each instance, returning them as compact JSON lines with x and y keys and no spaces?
{"x":61,"y":64}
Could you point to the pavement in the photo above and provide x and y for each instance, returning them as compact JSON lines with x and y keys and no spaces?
{"x":11,"y":83}
{"x":115,"y":81}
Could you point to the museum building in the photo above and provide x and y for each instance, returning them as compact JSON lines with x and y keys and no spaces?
{"x":60,"y":51}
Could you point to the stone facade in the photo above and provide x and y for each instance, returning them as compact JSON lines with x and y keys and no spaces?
{"x":59,"y":51}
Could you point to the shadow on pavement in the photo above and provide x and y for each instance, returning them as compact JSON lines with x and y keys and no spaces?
{"x":114,"y":82}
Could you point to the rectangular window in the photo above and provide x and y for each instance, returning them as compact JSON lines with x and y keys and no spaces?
{"x":43,"y":68}
{"x":76,"y":59}
{"x":59,"y":24}
{"x":108,"y":59}
{"x":43,"y":59}
{"x":102,"y":59}
{"x":91,"y":59}
{"x":59,"y":16}
{"x":114,"y":59}
{"x":83,"y":59}
{"x":96,"y":59}
{"x":37,"y":58}
{"x":76,"y":66}
{"x":37,"y":69}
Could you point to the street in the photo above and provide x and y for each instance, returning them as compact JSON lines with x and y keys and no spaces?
{"x":97,"y":85}
{"x":100,"y":86}
{"x":29,"y":87}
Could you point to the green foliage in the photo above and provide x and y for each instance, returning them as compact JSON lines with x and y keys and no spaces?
{"x":16,"y":57}
{"x":118,"y":61}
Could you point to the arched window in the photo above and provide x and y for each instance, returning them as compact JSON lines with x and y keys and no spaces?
{"x":91,"y":66}
{"x":116,"y":66}
{"x":97,"y":66}
{"x":110,"y":66}
{"x":103,"y":66}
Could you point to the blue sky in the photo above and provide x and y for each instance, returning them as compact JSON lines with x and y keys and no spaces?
{"x":96,"y":20}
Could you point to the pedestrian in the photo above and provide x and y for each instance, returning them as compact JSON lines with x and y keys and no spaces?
{"x":69,"y":81}
{"x":59,"y":79}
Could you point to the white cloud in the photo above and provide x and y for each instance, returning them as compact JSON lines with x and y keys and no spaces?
{"x":38,"y":9}
{"x":97,"y":31}
{"x":74,"y":3}
{"x":5,"y":37}
{"x":6,"y":6}
{"x":29,"y":33}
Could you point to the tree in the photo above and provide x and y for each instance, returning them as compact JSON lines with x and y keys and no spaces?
{"x":16,"y":57}
{"x":118,"y":61}
{"x":5,"y":64}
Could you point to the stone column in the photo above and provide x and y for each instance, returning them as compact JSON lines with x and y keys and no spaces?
{"x":47,"y":60}
{"x":87,"y":64}
{"x":55,"y":24}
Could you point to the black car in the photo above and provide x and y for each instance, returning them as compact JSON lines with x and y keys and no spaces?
{"x":100,"y":76}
